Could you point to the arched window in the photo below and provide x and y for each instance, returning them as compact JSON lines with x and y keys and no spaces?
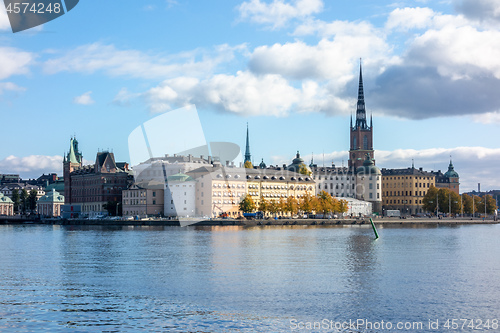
{"x":354,"y":145}
{"x":365,"y":142}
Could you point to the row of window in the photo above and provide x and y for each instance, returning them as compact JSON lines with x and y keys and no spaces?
{"x":402,"y":202}
{"x":404,"y":185}
{"x":406,"y":193}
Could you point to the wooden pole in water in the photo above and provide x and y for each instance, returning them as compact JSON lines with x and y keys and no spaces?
{"x":374,"y":229}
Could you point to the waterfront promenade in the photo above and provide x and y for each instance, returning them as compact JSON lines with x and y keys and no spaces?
{"x":243,"y":222}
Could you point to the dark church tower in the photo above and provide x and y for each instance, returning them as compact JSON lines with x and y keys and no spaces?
{"x":361,"y":133}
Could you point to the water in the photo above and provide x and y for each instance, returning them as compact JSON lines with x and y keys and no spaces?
{"x":231,"y":279}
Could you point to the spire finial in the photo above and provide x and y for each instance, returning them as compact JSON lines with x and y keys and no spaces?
{"x":248,"y":156}
{"x":412,"y":163}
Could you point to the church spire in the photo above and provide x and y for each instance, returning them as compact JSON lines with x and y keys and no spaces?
{"x":248,"y":157}
{"x":360,"y":107}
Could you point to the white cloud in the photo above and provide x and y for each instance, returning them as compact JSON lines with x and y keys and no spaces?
{"x":96,"y":57}
{"x":31,"y":166}
{"x":487,"y":118}
{"x":84,"y":99}
{"x":14,"y":62}
{"x":277,"y":13}
{"x":124,"y":98}
{"x":9,"y":86}
{"x":243,"y":93}
{"x":410,"y":18}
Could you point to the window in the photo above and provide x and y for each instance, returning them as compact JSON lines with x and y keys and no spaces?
{"x":154,"y":202}
{"x":365,"y":142}
{"x":371,"y":195}
{"x":370,"y":186}
{"x":354,"y":145}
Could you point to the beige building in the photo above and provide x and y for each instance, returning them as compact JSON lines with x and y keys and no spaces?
{"x":220,"y":190}
{"x":6,"y":205}
{"x":50,"y":204}
{"x":143,"y":199}
{"x":404,"y":189}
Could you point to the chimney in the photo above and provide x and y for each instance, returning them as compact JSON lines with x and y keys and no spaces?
{"x":232,"y":164}
{"x":209,"y":159}
{"x":166,"y":155}
{"x":284,"y":166}
{"x":190,"y":158}
{"x":201,"y":156}
{"x":227,"y":163}
{"x":175,"y":155}
{"x":479,"y":187}
{"x":241,"y":165}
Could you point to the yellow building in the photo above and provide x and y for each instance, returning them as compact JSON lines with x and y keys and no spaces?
{"x":404,"y":189}
{"x":220,"y":190}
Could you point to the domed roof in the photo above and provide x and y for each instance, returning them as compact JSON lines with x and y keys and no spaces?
{"x":262,"y":165}
{"x":52,"y":196}
{"x":297,"y":163}
{"x":4,"y":199}
{"x":451,"y":173}
{"x":368,"y":167}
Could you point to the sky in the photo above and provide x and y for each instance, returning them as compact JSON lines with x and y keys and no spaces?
{"x":288,"y":68}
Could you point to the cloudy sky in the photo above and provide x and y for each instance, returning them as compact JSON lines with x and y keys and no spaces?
{"x":287,"y":67}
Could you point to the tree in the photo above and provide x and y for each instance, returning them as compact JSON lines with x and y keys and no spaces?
{"x":263,"y":206}
{"x":16,"y":198}
{"x":291,"y":205}
{"x":430,"y":200}
{"x":304,"y":170}
{"x":467,"y":203}
{"x":111,"y":207}
{"x":24,"y":200}
{"x":273,"y":207}
{"x":325,"y":203}
{"x":491,"y":204}
{"x":343,"y":206}
{"x":306,"y":203}
{"x":32,"y":198}
{"x":248,"y":165}
{"x":247,"y":205}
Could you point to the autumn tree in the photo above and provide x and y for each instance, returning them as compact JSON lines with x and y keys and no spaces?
{"x":429,"y":201}
{"x":304,"y":170}
{"x":292,"y":205}
{"x":263,"y":205}
{"x":343,"y":206}
{"x":247,"y":205}
{"x":325,"y":203}
{"x":306,"y":203}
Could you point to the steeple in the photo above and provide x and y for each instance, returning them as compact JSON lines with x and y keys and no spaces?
{"x":360,"y":107}
{"x":248,"y":157}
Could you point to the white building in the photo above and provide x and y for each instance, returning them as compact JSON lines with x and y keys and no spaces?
{"x":180,"y":196}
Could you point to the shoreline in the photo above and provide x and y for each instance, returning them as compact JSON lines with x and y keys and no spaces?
{"x":269,"y":222}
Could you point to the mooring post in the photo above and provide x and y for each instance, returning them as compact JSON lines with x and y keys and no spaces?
{"x":374,"y":229}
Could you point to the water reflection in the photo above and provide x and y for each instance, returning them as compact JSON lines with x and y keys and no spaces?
{"x":241,"y":279}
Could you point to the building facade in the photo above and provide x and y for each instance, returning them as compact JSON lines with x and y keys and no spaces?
{"x":143,"y":199}
{"x":450,"y":179}
{"x":404,"y":189}
{"x":50,"y":204}
{"x":6,"y":205}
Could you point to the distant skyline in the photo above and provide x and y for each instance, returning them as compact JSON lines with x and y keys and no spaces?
{"x":431,"y":73}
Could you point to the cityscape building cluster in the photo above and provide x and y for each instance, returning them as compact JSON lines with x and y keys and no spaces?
{"x":186,"y":185}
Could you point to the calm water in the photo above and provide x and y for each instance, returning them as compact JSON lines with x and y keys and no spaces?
{"x":230,"y":279}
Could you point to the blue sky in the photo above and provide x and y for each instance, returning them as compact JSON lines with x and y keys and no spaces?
{"x":289,"y":68}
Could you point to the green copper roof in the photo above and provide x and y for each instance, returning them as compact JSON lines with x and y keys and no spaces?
{"x":52,"y":196}
{"x":451,"y":173}
{"x":4,"y":199}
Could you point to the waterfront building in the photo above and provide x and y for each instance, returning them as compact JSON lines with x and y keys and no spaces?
{"x":365,"y":184}
{"x":73,"y":160}
{"x":6,"y":205}
{"x":91,"y":187}
{"x":7,"y":189}
{"x":220,"y":189}
{"x":361,"y":135}
{"x":450,"y":179}
{"x":50,"y":204}
{"x":357,"y":207}
{"x":180,"y":194}
{"x":404,"y":189}
{"x":158,"y":168}
{"x":143,"y":199}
